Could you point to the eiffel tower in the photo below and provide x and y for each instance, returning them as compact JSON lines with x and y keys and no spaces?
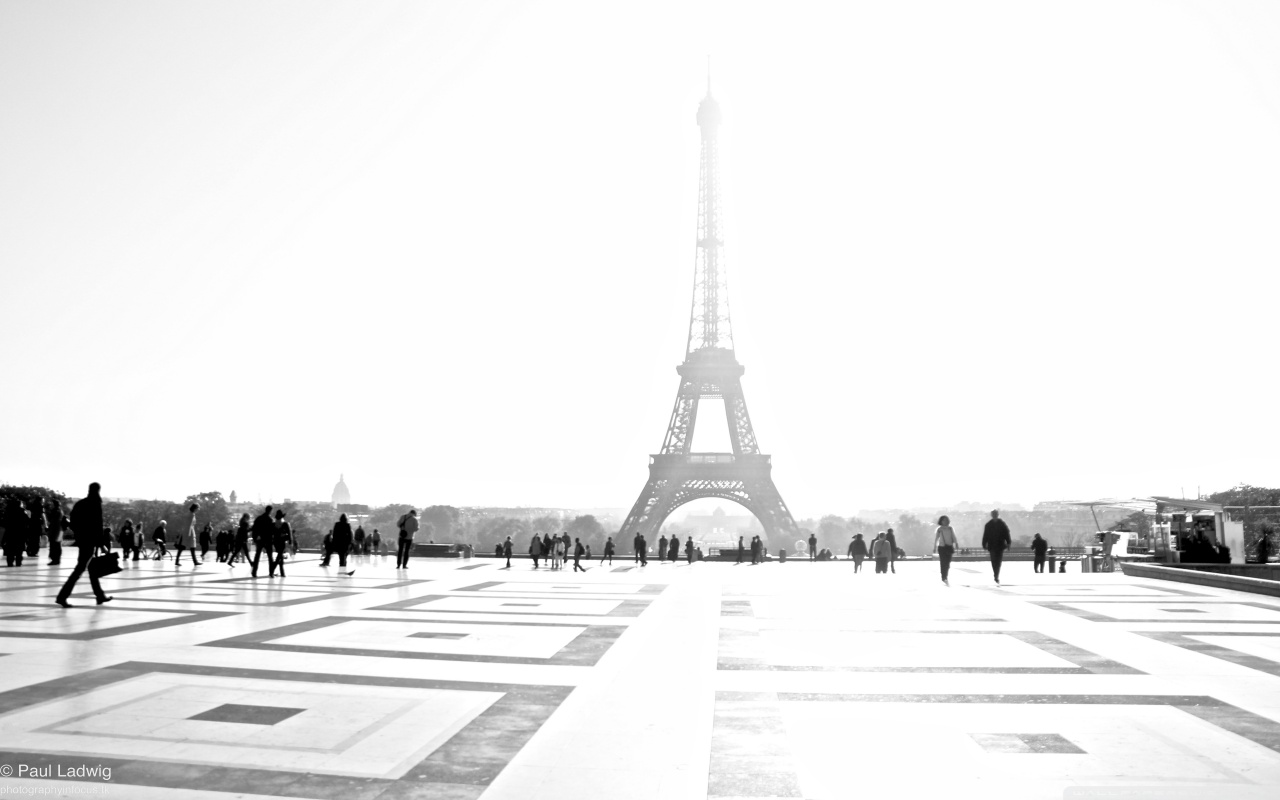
{"x":710,"y":370}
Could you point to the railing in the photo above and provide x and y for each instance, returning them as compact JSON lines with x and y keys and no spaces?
{"x":710,"y":458}
{"x":1058,"y":552}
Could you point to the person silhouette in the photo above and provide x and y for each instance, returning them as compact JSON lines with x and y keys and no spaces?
{"x":86,"y":524}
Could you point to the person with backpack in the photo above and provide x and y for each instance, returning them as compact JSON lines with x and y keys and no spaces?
{"x":408,"y":525}
{"x":608,"y":552}
{"x":578,"y":550}
{"x":86,"y":524}
{"x":126,"y":539}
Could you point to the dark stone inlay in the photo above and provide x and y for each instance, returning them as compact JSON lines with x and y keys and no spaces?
{"x":301,"y":584}
{"x":625,"y":608}
{"x":471,"y":566}
{"x":1026,"y":743}
{"x":736,"y":608}
{"x":622,"y":569}
{"x":247,"y":714}
{"x":477,"y":753}
{"x":1185,"y":610}
{"x":587,"y":648}
{"x":1183,"y":639}
{"x":312,"y":596}
{"x":1093,"y":616}
{"x":523,"y":605}
{"x":183,"y":617}
{"x":741,"y":650}
{"x":645,"y":589}
{"x":437,"y":635}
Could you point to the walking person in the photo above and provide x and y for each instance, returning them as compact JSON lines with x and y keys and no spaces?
{"x":15,"y":532}
{"x":281,"y":537}
{"x":240,"y":542}
{"x":688,"y":550}
{"x":408,"y":527}
{"x":376,"y":540}
{"x":995,"y":540}
{"x":944,"y":542}
{"x":506,"y":551}
{"x":673,"y":549}
{"x":158,"y":539}
{"x":578,"y":550}
{"x":187,"y":538}
{"x":206,"y":539}
{"x":644,"y":551}
{"x":608,"y":552}
{"x":86,"y":524}
{"x":58,"y":526}
{"x":1041,"y":549}
{"x":662,"y":547}
{"x":342,"y":538}
{"x":880,"y":552}
{"x":858,"y":552}
{"x":36,"y":529}
{"x":893,"y":550}
{"x":755,"y":550}
{"x":739,"y":561}
{"x":262,"y":532}
{"x":535,"y":549}
{"x":127,"y":538}
{"x":359,"y":540}
{"x":813,"y":546}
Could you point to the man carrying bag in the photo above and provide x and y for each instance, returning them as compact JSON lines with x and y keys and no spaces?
{"x":86,"y":524}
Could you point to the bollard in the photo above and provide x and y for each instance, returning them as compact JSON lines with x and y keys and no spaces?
{"x":782,"y":556}
{"x":1051,"y":563}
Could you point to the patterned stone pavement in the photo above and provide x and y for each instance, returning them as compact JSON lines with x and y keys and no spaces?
{"x":462,"y":679}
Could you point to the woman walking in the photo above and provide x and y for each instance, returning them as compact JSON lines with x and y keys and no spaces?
{"x":187,"y":538}
{"x":535,"y":549}
{"x":240,"y":544}
{"x":945,"y":543}
{"x":608,"y":551}
{"x":857,"y":551}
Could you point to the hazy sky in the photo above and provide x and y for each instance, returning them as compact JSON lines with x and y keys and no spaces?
{"x":976,"y":250}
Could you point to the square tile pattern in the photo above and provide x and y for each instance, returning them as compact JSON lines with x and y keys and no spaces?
{"x":246,"y":714}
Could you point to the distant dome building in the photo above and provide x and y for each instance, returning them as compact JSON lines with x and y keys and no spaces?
{"x":341,"y":494}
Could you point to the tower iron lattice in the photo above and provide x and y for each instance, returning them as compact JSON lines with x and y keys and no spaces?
{"x":677,"y":475}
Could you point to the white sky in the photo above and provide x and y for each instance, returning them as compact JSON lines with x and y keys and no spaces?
{"x":1009,"y":250}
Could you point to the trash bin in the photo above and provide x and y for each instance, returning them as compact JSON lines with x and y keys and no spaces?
{"x":782,"y":556}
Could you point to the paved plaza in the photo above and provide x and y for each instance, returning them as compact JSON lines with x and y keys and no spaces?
{"x":462,"y":679}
